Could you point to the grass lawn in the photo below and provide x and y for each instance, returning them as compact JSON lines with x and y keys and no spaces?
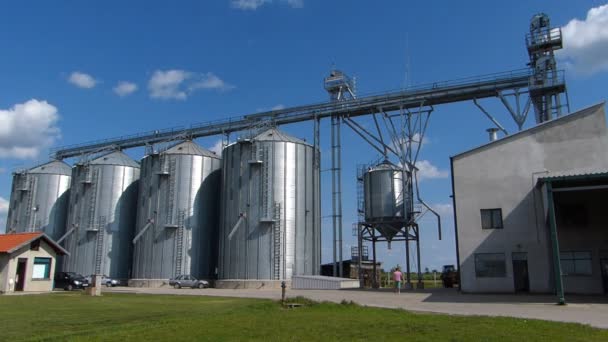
{"x":128,"y":317}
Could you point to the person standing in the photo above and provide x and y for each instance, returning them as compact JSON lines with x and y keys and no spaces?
{"x":397,"y":277}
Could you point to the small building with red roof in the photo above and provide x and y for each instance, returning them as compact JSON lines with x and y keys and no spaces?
{"x":27,"y":262}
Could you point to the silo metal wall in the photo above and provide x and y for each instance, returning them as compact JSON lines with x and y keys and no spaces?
{"x":179,"y":193}
{"x":39,"y":202}
{"x":102,"y":210}
{"x":258,"y":177}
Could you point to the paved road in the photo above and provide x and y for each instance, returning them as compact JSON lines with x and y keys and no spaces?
{"x":581,"y":309}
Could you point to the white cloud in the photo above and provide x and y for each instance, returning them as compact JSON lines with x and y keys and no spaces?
{"x":210,"y":81}
{"x":295,"y":3}
{"x":3,"y":212}
{"x":166,"y":84}
{"x":426,"y":170}
{"x":252,"y":5}
{"x":443,"y":209}
{"x":217,"y":147}
{"x":586,"y":42}
{"x":278,"y":107}
{"x":179,"y":84}
{"x":82,"y":80}
{"x":124,"y":88}
{"x":27,"y":128}
{"x":3,"y":206}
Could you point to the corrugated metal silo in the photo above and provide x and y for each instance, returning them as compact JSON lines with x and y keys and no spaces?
{"x":39,"y":199}
{"x":178,"y":209}
{"x":270,"y":216}
{"x":385,"y":203}
{"x":101,"y":216}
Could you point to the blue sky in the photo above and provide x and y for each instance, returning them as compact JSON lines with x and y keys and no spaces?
{"x":77,"y":71}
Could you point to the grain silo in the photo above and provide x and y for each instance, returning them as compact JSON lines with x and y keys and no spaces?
{"x":270,"y":216}
{"x":177,"y":215}
{"x":386,"y":207}
{"x":101,"y":216}
{"x":39,"y":199}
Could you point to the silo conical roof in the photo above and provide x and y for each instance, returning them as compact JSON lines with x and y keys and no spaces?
{"x":274,"y":134}
{"x":190,"y":148}
{"x":55,"y":167}
{"x":115,"y":158}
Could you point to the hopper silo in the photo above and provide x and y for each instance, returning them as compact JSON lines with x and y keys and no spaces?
{"x":386,"y":198}
{"x":39,"y":199}
{"x":177,"y":215}
{"x":101,"y":216}
{"x":270,"y":216}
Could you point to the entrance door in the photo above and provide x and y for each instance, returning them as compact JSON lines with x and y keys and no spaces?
{"x":604,"y":265}
{"x":520,"y":272}
{"x":20,"y":275}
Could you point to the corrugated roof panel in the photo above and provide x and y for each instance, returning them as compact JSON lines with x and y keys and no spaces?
{"x":576,"y":173}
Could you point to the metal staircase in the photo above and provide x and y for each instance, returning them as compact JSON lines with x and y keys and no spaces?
{"x":171,"y":198}
{"x":277,"y":247}
{"x":179,"y":242}
{"x":93,"y":181}
{"x":265,"y":182}
{"x":31,"y":195}
{"x":99,"y":248}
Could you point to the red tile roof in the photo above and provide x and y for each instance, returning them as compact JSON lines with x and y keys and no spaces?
{"x":10,"y":242}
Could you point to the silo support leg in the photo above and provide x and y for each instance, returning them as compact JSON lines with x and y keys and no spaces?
{"x":408,"y":278}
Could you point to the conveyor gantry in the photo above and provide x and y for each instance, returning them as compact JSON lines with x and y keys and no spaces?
{"x":428,"y":95}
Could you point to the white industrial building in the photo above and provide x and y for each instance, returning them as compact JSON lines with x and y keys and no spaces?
{"x":525,"y":201}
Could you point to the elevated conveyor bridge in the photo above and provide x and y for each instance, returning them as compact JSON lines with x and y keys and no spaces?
{"x":494,"y":85}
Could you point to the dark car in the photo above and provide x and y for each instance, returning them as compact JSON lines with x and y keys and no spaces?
{"x":186,"y":280}
{"x":105,"y":280}
{"x":70,"y":281}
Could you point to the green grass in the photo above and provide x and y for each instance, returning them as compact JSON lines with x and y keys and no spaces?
{"x":127,"y":317}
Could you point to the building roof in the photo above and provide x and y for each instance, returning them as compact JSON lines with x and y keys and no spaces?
{"x":12,"y":242}
{"x":572,"y":116}
{"x":574,"y":175}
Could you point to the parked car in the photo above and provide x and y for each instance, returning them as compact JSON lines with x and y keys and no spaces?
{"x":70,"y":281}
{"x":105,"y":280}
{"x":186,"y":280}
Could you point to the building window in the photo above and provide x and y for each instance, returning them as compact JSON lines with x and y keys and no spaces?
{"x":576,"y":263}
{"x":490,"y":265}
{"x":42,"y":268}
{"x":491,"y":218}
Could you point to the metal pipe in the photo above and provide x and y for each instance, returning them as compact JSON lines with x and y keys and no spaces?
{"x":365,"y":138}
{"x":68,"y":233}
{"x":420,"y":284}
{"x":557,"y":268}
{"x":490,"y":117}
{"x":360,"y":248}
{"x":408,"y":280}
{"x":142,"y":231}
{"x":236,"y":226}
{"x":374,"y":270}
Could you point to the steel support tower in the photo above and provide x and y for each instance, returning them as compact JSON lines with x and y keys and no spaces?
{"x":340,"y":88}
